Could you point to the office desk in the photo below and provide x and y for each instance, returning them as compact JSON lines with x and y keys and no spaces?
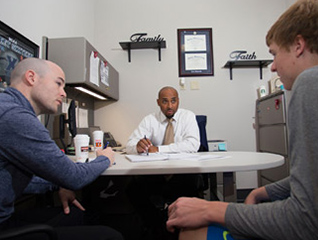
{"x":232,"y":162}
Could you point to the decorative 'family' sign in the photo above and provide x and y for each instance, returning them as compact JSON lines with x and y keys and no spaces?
{"x":242,"y":55}
{"x":140,"y":37}
{"x":140,"y":40}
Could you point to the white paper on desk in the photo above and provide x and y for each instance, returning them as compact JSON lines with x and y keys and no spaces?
{"x":146,"y":158}
{"x":211,"y":157}
{"x":194,"y":157}
{"x":181,"y":156}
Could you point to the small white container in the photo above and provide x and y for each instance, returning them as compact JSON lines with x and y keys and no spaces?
{"x":98,"y":139}
{"x":81,"y":147}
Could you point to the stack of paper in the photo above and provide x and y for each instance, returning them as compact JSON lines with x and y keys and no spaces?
{"x":172,"y":156}
{"x":145,"y":157}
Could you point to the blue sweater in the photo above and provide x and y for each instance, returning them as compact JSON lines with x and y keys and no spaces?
{"x":30,"y":161}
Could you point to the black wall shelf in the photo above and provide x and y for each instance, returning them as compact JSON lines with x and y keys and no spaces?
{"x":247,"y":64}
{"x":141,"y":45}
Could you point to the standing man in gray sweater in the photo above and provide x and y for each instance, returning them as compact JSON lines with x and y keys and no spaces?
{"x":30,"y":161}
{"x":291,"y":209}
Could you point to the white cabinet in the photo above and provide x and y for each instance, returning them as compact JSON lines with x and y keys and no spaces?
{"x":73,"y":56}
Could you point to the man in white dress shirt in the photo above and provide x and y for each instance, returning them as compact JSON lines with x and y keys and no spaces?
{"x":151,"y":131}
{"x":151,"y":192}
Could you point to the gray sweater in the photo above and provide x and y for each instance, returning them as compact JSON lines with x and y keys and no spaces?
{"x":27,"y":151}
{"x":293,"y":212}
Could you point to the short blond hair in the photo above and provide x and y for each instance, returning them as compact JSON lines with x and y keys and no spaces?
{"x":300,"y":19}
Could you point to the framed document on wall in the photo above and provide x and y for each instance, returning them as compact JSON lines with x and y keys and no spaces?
{"x":195,"y":52}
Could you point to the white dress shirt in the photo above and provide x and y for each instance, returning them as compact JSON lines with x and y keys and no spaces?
{"x":153,"y":126}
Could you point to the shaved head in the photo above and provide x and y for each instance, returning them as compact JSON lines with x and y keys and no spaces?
{"x":42,"y":82}
{"x":41,"y":67}
{"x":167,"y":88}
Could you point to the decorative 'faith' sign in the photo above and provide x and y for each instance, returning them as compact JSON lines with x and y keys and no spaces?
{"x":242,"y":55}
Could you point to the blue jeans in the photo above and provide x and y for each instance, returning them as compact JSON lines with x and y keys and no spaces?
{"x":218,"y":232}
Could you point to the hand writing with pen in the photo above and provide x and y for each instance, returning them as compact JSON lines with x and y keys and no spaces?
{"x":108,"y":152}
{"x":145,"y":146}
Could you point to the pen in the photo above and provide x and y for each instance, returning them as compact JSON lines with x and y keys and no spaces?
{"x":145,"y":137}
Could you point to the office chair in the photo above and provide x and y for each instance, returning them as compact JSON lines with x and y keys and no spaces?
{"x":47,"y":231}
{"x":201,"y":120}
{"x":203,"y":179}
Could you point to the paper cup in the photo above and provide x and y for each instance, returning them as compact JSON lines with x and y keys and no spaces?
{"x":81,"y":147}
{"x":98,"y":139}
{"x":262,"y":91}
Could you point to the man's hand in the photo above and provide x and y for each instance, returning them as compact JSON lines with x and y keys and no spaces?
{"x":66,"y":197}
{"x":108,"y":152}
{"x":257,"y":195}
{"x":153,"y":149}
{"x":191,"y":213}
{"x":145,"y":144}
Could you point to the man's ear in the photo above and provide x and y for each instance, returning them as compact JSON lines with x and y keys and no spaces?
{"x":30,"y":77}
{"x":300,"y":45}
{"x":158,"y":102}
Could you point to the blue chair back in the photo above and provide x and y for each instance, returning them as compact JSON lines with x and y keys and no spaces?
{"x":201,"y":120}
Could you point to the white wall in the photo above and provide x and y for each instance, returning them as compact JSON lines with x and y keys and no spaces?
{"x":51,"y":18}
{"x":228,"y":104}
